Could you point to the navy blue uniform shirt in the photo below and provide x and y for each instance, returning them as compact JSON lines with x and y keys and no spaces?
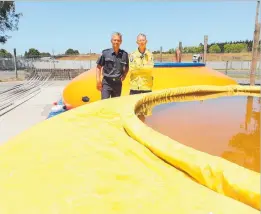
{"x":113,"y":65}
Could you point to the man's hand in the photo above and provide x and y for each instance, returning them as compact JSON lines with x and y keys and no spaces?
{"x":98,"y":78}
{"x":125,"y":73}
{"x":99,"y":85}
{"x":123,"y":78}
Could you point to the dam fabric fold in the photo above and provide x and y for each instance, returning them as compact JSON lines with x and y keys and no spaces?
{"x":87,"y":163}
{"x":213,"y":172}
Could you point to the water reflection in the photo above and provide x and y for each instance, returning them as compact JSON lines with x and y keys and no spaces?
{"x":247,"y":150}
{"x":228,"y":127}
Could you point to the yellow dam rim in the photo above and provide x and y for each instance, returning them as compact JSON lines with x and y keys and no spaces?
{"x":213,"y":172}
{"x":83,"y":161}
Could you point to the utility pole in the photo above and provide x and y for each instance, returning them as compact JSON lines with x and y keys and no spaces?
{"x":205,"y":49}
{"x":15,"y":64}
{"x":255,"y":47}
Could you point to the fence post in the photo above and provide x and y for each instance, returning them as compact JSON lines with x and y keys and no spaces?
{"x":226,"y":66}
{"x":180,"y":49}
{"x":16,"y":74}
{"x":90,"y":58}
{"x":69,"y":74}
{"x":205,"y":48}
{"x":161,"y":53}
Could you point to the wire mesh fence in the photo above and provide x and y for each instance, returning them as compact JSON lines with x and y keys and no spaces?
{"x":61,"y":69}
{"x":44,"y":63}
{"x":67,"y":67}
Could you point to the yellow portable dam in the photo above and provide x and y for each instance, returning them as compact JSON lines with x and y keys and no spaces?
{"x":100,"y":158}
{"x":163,"y":77}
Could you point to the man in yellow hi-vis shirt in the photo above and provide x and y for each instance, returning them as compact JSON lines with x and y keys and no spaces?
{"x":141,"y":62}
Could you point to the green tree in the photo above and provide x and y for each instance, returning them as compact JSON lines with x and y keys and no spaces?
{"x":240,"y":47}
{"x":235,"y":48}
{"x":214,"y":49}
{"x":5,"y":54}
{"x":43,"y":54}
{"x":171,"y":51}
{"x":200,"y":49}
{"x":227,"y":48}
{"x":32,"y":53}
{"x":193,"y":49}
{"x":9,"y":19}
{"x":70,"y":51}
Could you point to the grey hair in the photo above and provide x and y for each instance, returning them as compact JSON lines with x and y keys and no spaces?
{"x":143,"y":35}
{"x":116,"y":34}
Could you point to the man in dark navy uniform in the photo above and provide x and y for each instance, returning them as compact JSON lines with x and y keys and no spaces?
{"x":114,"y":63}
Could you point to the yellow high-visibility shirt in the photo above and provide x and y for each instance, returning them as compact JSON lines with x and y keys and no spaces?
{"x":140,"y":70}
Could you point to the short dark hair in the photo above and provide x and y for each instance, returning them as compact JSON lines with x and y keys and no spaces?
{"x":143,"y":35}
{"x":116,"y":34}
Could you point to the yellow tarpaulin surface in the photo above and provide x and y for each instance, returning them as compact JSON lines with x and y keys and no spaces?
{"x":83,"y":161}
{"x":163,"y":78}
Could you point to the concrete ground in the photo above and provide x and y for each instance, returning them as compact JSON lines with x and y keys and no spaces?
{"x":31,"y":112}
{"x":11,"y":75}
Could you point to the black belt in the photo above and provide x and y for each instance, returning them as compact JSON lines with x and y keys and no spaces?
{"x":113,"y":78}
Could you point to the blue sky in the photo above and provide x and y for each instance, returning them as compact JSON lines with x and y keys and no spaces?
{"x":57,"y":26}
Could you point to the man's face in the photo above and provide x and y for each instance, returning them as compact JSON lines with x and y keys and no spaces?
{"x":116,"y":41}
{"x":141,"y":41}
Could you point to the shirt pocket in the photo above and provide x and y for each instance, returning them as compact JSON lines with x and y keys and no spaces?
{"x":109,"y":63}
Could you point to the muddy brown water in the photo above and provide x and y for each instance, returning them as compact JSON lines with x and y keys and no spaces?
{"x":228,"y":127}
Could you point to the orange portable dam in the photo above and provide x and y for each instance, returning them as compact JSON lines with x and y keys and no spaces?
{"x":164,"y":77}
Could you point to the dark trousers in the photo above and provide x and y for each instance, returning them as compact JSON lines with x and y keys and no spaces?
{"x":111,"y":88}
{"x":139,"y":91}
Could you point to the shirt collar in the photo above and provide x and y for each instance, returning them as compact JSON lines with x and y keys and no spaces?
{"x":145,"y":53}
{"x":112,"y":52}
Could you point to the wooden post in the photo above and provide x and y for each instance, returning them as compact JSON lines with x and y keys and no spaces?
{"x":90,"y":58}
{"x":69,"y":75}
{"x":15,"y":64}
{"x":205,"y":48}
{"x":180,"y":49}
{"x":161,"y":53}
{"x":53,"y":60}
{"x":226,"y":67}
{"x":255,"y":47}
{"x":180,"y":46}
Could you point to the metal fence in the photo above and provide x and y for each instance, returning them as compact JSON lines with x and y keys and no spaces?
{"x":70,"y":68}
{"x":7,"y":64}
{"x":232,"y":65}
{"x":44,"y":63}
